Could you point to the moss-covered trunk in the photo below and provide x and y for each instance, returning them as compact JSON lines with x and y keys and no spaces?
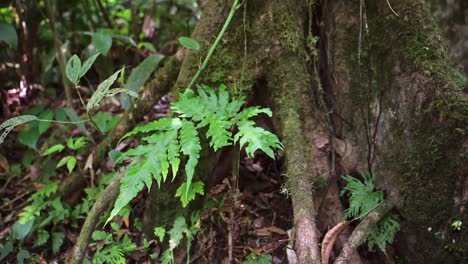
{"x":380,"y":83}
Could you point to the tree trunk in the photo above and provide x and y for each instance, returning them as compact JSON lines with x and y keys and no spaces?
{"x":379,"y":81}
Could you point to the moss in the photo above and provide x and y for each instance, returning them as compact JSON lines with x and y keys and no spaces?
{"x":402,"y":58}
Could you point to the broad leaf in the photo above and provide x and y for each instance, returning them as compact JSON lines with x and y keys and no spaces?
{"x":8,"y":34}
{"x":11,"y":123}
{"x":142,"y":72}
{"x":189,"y":43}
{"x":101,"y":91}
{"x":102,"y":41}
{"x":20,"y":231}
{"x":87,"y":64}
{"x":53,"y":149}
{"x":73,"y":69}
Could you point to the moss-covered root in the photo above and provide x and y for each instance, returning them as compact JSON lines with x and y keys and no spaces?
{"x":363,"y":230}
{"x":103,"y":202}
{"x":288,"y":79}
{"x":150,"y":94}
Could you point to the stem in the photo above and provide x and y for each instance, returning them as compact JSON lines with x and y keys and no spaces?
{"x":60,"y":57}
{"x":234,"y":7}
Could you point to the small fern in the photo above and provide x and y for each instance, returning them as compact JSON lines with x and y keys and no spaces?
{"x":362,"y":200}
{"x":362,"y":197}
{"x":169,"y":141}
{"x":383,"y":232}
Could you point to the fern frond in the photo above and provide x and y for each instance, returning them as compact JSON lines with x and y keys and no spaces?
{"x":256,"y":138}
{"x":218,"y":131}
{"x":190,"y":146}
{"x":362,"y":197}
{"x":383,"y":232}
{"x":158,"y":125}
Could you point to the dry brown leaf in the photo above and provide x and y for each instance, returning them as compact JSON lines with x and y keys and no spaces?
{"x":329,"y":240}
{"x":4,"y":163}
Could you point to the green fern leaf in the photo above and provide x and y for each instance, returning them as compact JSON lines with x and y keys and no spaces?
{"x":253,"y":111}
{"x":383,"y":232}
{"x":57,"y":241}
{"x":188,"y":194}
{"x":162,"y":124}
{"x":218,"y":131}
{"x":256,"y":138}
{"x":189,"y":106}
{"x":190,"y":146}
{"x":362,"y":197}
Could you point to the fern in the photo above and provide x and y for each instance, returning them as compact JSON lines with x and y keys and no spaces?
{"x":383,"y":232}
{"x":168,"y":141}
{"x":362,"y":198}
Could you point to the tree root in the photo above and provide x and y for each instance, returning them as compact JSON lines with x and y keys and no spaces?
{"x":100,"y":206}
{"x":364,"y":228}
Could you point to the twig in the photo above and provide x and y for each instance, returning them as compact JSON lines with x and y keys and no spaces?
{"x":100,"y":206}
{"x":60,"y":57}
{"x":393,"y":11}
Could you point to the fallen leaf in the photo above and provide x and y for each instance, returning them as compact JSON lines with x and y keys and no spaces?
{"x":329,"y":240}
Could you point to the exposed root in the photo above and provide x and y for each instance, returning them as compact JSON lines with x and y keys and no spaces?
{"x":100,"y":206}
{"x":363,"y":230}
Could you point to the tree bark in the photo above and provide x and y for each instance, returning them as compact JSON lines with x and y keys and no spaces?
{"x":385,"y":79}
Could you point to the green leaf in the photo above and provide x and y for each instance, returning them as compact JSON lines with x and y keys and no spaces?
{"x":102,"y":41}
{"x":147,"y":45}
{"x":30,"y":137}
{"x":190,"y":146}
{"x":6,"y":250}
{"x":160,"y":232}
{"x":41,"y":238}
{"x":189,"y":43}
{"x":105,"y":121}
{"x":76,"y":143}
{"x":44,"y":125}
{"x":101,"y":91}
{"x":70,"y":161}
{"x":22,"y":255}
{"x":257,"y":259}
{"x":75,"y":118}
{"x":114,"y":155}
{"x":383,"y":232}
{"x":142,"y":72}
{"x":87,"y":64}
{"x":157,"y":125}
{"x":20,"y":231}
{"x":73,"y":69}
{"x":11,"y":123}
{"x":57,"y":241}
{"x":256,"y":138}
{"x":362,"y":197}
{"x":53,"y":149}
{"x":188,"y":194}
{"x":99,"y":235}
{"x":177,"y":232}
{"x":71,"y":164}
{"x":8,"y":34}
